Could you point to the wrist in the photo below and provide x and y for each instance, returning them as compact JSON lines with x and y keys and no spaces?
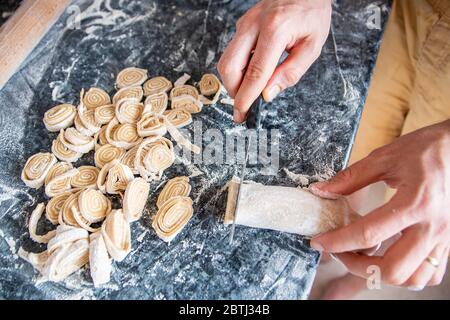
{"x":444,"y":134}
{"x":446,"y":124}
{"x":318,"y":3}
{"x":326,"y":3}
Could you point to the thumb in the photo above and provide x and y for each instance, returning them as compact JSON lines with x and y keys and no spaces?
{"x":349,"y":180}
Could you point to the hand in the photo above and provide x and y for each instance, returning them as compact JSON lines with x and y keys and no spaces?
{"x":271,"y":27}
{"x":417,"y":165}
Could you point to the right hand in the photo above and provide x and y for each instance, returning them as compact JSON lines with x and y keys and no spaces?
{"x":417,"y":165}
{"x":271,"y":27}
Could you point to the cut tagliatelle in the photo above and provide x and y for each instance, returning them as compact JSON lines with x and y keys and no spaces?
{"x":80,"y":202}
{"x":60,"y":183}
{"x":63,"y":153}
{"x":157,"y":85}
{"x":72,"y":258}
{"x":114,"y":177}
{"x":178,"y":118}
{"x":76,"y":214}
{"x":85,"y":178}
{"x":54,"y":206}
{"x":156,"y":103}
{"x":100,"y":138}
{"x":80,"y":126}
{"x":37,"y":260}
{"x":151,"y":125}
{"x":58,"y":179}
{"x":129,"y":110}
{"x":99,"y":261}
{"x":128,"y":159}
{"x":171,"y":218}
{"x":87,"y":118}
{"x":131,"y":77}
{"x":129,"y":93}
{"x":66,"y":213}
{"x":94,"y":98}
{"x":122,"y":135}
{"x":104,"y":114}
{"x":175,"y":187}
{"x":32,"y":225}
{"x":135,"y":198}
{"x":182,"y":140}
{"x":184,"y":90}
{"x":57,"y":169}
{"x":65,"y":235}
{"x":67,"y":252}
{"x":117,"y":235}
{"x":182,"y":80}
{"x":108,"y":153}
{"x":186,"y":102}
{"x":36,"y":169}
{"x":59,"y":117}
{"x":210,"y":86}
{"x":153,"y":156}
{"x":94,"y":205}
{"x":74,"y":140}
{"x":160,"y":156}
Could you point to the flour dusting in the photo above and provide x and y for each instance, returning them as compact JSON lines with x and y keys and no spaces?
{"x":315,"y":120}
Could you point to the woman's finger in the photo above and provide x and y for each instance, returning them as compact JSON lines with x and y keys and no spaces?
{"x":268,"y":51}
{"x":367,"y":232}
{"x":360,"y":174}
{"x":359,"y":264}
{"x":405,"y":256}
{"x":400,"y":261}
{"x":290,"y":71}
{"x":438,"y":275}
{"x":235,"y":58}
{"x":427,"y":269}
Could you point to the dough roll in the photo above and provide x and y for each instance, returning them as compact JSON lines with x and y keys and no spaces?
{"x":286,"y":209}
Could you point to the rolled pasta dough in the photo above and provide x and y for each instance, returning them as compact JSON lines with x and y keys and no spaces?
{"x":292,"y":210}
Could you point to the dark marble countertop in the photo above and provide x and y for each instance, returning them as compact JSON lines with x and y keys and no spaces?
{"x":312,"y":126}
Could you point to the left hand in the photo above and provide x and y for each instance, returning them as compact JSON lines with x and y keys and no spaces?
{"x":417,"y":165}
{"x":269,"y":28}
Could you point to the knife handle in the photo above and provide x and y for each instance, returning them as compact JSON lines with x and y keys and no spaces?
{"x":254,"y":115}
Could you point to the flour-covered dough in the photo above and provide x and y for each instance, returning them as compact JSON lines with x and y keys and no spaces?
{"x":286,"y":209}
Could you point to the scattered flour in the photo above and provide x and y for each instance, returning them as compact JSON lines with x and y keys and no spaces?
{"x":194,"y":171}
{"x":304,"y":180}
{"x":210,"y":57}
{"x":224,"y":113}
{"x":140,"y":238}
{"x":11,"y":243}
{"x":301,"y":179}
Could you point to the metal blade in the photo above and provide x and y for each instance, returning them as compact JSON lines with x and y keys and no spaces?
{"x":244,"y":167}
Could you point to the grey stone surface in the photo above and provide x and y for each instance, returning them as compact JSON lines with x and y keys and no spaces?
{"x":316,"y":121}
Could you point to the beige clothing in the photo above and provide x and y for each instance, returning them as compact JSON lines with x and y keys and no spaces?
{"x":410,"y":87}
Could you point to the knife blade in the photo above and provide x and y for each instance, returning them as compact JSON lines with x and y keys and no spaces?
{"x":253,"y":121}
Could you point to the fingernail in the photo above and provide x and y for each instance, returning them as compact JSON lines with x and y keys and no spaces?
{"x":334,"y":257}
{"x":315,"y":188}
{"x":371,"y":251}
{"x":416,"y":288}
{"x":316,"y":246}
{"x":271,"y":93}
{"x":318,"y":185}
